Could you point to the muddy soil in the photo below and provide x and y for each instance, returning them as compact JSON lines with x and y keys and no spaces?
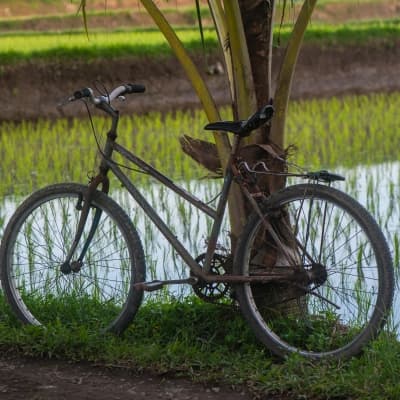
{"x":332,"y":12}
{"x":33,"y":90}
{"x":28,"y":379}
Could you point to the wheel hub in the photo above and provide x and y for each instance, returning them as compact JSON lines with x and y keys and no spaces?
{"x":68,"y":267}
{"x":318,"y":274}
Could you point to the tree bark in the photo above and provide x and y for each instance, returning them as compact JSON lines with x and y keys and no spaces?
{"x":257,"y":16}
{"x":257,"y":20}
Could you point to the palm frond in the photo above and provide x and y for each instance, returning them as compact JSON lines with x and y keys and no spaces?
{"x":82,"y":8}
{"x":200,"y":22}
{"x":205,"y":153}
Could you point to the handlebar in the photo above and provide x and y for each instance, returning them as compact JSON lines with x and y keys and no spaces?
{"x":115,"y":93}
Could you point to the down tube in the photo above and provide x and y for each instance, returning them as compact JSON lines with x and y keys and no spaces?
{"x":151,"y":213}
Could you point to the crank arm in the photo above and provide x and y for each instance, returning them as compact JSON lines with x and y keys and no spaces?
{"x":158,"y":284}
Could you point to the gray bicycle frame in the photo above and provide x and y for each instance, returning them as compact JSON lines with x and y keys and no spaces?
{"x":216,"y":214}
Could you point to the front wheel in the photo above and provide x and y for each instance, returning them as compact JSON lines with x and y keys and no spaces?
{"x":344,"y":289}
{"x":98,"y":292}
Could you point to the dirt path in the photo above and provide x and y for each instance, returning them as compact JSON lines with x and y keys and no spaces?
{"x":33,"y":90}
{"x":332,"y":12}
{"x":27,"y":379}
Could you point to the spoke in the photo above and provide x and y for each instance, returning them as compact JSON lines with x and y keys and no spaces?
{"x":319,"y":296}
{"x":62,"y":207}
{"x":347,"y":299}
{"x":349,"y":255}
{"x":334,"y":272}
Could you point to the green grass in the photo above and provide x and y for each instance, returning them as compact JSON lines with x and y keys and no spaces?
{"x":210,"y":343}
{"x":47,"y":46}
{"x":353,"y":33}
{"x":29,"y":46}
{"x":323,"y":2}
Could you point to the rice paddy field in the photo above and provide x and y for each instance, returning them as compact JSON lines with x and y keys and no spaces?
{"x":357,"y":136}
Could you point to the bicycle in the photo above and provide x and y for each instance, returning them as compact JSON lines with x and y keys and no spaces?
{"x":311,"y":273}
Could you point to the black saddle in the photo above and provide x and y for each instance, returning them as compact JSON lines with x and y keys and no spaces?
{"x":245,"y":127}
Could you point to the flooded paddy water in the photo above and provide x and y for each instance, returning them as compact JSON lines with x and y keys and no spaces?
{"x":356,"y":137}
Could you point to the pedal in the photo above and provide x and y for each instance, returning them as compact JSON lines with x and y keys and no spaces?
{"x":157,"y":285}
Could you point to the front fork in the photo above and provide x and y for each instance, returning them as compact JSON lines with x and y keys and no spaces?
{"x":69,"y":266}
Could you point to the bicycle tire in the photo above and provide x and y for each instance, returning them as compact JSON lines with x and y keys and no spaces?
{"x":348,"y":301}
{"x":101,"y":294}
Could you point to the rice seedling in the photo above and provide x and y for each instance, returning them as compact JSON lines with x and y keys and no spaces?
{"x":347,"y":131}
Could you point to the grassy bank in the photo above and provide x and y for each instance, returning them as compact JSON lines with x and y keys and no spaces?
{"x":211,"y":343}
{"x":59,"y":46}
{"x":30,"y":46}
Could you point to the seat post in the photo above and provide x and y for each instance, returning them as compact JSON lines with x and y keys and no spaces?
{"x":235,"y":144}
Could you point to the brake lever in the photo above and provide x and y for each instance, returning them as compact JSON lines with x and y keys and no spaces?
{"x":63,"y":103}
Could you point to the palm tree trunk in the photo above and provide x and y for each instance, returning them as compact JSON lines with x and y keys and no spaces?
{"x":257,"y":18}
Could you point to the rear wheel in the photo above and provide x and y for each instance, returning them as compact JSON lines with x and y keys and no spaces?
{"x":345,"y":279}
{"x":100,"y":292}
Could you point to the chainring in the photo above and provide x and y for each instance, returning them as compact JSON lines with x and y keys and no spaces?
{"x":212,"y":292}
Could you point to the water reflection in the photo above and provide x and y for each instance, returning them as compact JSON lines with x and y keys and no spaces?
{"x":377,"y":187}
